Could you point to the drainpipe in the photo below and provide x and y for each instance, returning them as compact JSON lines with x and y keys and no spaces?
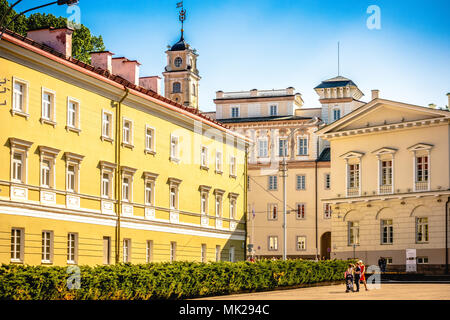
{"x":246,"y":200}
{"x":118,"y":174}
{"x":315,"y":196}
{"x":446,"y":234}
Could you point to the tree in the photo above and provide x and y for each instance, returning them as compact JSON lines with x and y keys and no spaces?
{"x":83,"y":42}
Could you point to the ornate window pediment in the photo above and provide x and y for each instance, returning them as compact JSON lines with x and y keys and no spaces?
{"x":420,"y":147}
{"x":384,"y":150}
{"x":352,"y":154}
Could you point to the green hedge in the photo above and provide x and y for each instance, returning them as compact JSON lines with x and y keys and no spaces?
{"x":178,"y":280}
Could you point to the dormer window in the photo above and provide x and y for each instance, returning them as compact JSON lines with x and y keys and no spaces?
{"x":178,"y":61}
{"x":336,"y":114}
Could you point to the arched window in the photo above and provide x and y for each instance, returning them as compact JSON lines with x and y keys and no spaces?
{"x":178,"y":61}
{"x":176,"y":87}
{"x":193,"y":89}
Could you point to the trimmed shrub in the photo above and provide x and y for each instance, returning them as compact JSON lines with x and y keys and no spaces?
{"x":177,"y":280}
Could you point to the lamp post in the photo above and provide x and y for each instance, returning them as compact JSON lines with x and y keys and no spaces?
{"x":59,"y":3}
{"x":283,"y":169}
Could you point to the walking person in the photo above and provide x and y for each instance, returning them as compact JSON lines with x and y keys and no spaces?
{"x":380,"y":263}
{"x":363,"y":276}
{"x":357,"y":276}
{"x":349,"y":278}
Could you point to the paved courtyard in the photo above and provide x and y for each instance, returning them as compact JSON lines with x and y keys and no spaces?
{"x":422,"y":291}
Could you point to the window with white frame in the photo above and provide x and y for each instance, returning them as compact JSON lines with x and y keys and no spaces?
{"x":48,"y":106}
{"x":273,"y":182}
{"x":263,"y":148}
{"x":282,"y":147}
{"x":126,"y":250}
{"x":233,"y":166}
{"x":327,"y":211}
{"x":235,"y":112}
{"x":173,"y":251}
{"x":301,"y":182}
{"x":219,"y":162}
{"x":203,"y":253}
{"x":127,"y":184}
{"x":150,"y":185}
{"x":387,"y":232}
{"x":353,"y":175}
{"x":127,"y":132}
{"x":327,"y":183}
{"x":273,"y":243}
{"x":301,"y":243}
{"x":218,"y":253}
{"x":17,"y":244}
{"x":72,"y":239}
{"x":19,"y":150}
{"x":422,"y":170}
{"x":273,"y":110}
{"x":47,"y":247}
{"x":302,"y":143}
{"x":204,"y":157}
{"x":20,"y":96}
{"x":204,"y":202}
{"x":422,"y":153}
{"x":422,"y":230}
{"x":353,"y":233}
{"x":73,"y":114}
{"x":107,"y":175}
{"x":385,"y":176}
{"x":46,"y":170}
{"x":174,"y":193}
{"x":219,"y":204}
{"x":233,"y":201}
{"x":107,"y":125}
{"x":149,"y":139}
{"x":336,"y":114}
{"x":231,"y":254}
{"x":174,"y":147}
{"x":48,"y":160}
{"x":72,"y":173}
{"x":300,"y":212}
{"x":272,"y":211}
{"x":149,"y":251}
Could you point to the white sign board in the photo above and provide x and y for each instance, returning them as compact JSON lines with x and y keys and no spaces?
{"x":411,"y":262}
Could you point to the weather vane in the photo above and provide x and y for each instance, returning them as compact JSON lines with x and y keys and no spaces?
{"x":182,"y":16}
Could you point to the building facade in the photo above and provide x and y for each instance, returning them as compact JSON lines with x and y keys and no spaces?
{"x":391,"y":184}
{"x":280,"y":127}
{"x":98,"y":168}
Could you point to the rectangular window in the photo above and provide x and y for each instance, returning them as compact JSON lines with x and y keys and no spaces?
{"x":149,"y":192}
{"x":273,"y":211}
{"x":204,"y":203}
{"x":282,"y":147}
{"x":20,"y":96}
{"x":218,"y":205}
{"x":203,"y":253}
{"x":149,"y":251}
{"x":263,"y":150}
{"x":336,"y":114}
{"x":48,"y":105}
{"x":173,"y":197}
{"x":327,"y":181}
{"x":273,"y":182}
{"x":273,"y":243}
{"x":218,"y":161}
{"x":387,"y":232}
{"x":353,"y":233}
{"x":18,"y":167}
{"x":173,"y":251}
{"x":353,"y":174}
{"x":72,"y":248}
{"x":422,"y":260}
{"x":233,"y":166}
{"x":232,"y":208}
{"x":127,"y":132}
{"x":302,"y":146}
{"x":327,"y":211}
{"x":46,"y":173}
{"x":422,"y":173}
{"x":73,"y":114}
{"x":218,"y":253}
{"x":72,"y":175}
{"x":231,"y":254}
{"x":17,"y":245}
{"x":106,"y":250}
{"x":47,"y":244}
{"x":301,"y":243}
{"x":301,"y":182}
{"x":273,"y":110}
{"x":126,"y":250}
{"x":149,"y":139}
{"x":106,"y":184}
{"x":235,"y":112}
{"x":300,"y":212}
{"x":174,"y":147}
{"x":107,"y":125}
{"x":204,"y":157}
{"x":422,"y":230}
{"x":126,"y":188}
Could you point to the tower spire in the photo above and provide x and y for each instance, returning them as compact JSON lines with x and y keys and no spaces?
{"x":182,"y":18}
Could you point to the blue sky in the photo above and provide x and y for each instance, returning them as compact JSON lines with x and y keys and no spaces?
{"x":277,"y":44}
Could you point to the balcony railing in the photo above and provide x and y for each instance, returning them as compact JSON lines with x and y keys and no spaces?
{"x":422,"y":186}
{"x":386,"y":189}
{"x":352,"y":192}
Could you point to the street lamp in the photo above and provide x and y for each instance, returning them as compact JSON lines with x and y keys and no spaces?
{"x":283,"y":170}
{"x":59,"y":3}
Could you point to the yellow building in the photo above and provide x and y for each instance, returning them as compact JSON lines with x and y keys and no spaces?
{"x":97,"y":167}
{"x":391,"y":185}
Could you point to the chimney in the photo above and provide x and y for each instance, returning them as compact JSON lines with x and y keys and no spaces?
{"x":151,"y":83}
{"x":59,"y":39}
{"x":290,"y":91}
{"x":254,"y":93}
{"x":375,"y":94}
{"x":219,"y":94}
{"x":102,"y":60}
{"x":127,"y":69}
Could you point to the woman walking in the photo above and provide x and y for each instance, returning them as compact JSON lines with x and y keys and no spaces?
{"x":363,"y":276}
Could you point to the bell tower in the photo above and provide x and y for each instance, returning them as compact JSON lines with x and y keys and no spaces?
{"x":181,"y":76}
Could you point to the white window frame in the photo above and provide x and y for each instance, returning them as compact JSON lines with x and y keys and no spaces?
{"x":233,"y":166}
{"x":203,"y":253}
{"x":300,"y":182}
{"x":126,"y":250}
{"x":174,"y":148}
{"x":419,"y":226}
{"x":20,"y":147}
{"x":235,"y":112}
{"x":302,"y":207}
{"x":263,"y":148}
{"x":327,"y":210}
{"x":173,"y":251}
{"x":302,"y":147}
{"x":149,"y":192}
{"x":389,"y":231}
{"x":218,"y":204}
{"x":218,"y":253}
{"x":127,"y":173}
{"x":15,"y":164}
{"x":231,"y":254}
{"x":303,"y":247}
{"x":272,"y":183}
{"x":204,"y":157}
{"x":50,"y":155}
{"x":353,"y":233}
{"x":51,"y":118}
{"x":421,"y":150}
{"x":24,"y":97}
{"x":150,"y":147}
{"x":272,"y":243}
{"x":204,"y":196}
{"x":108,"y":136}
{"x":73,"y":159}
{"x":72,"y":248}
{"x":219,"y":162}
{"x":233,"y":202}
{"x":109,"y":170}
{"x":47,"y":251}
{"x":17,"y":245}
{"x":272,"y":108}
{"x":271,"y":211}
{"x":128,"y":143}
{"x":77,"y":126}
{"x":285,"y":149}
{"x":338,"y":110}
{"x":149,"y":251}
